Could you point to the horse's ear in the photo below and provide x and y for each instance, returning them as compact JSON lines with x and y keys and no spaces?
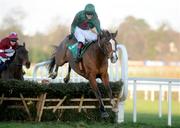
{"x":114,"y":34}
{"x":24,"y":44}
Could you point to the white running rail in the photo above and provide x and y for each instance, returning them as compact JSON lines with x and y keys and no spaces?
{"x":158,"y":82}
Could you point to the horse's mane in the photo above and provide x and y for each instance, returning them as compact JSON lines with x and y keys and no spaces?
{"x":105,"y":34}
{"x":18,"y":46}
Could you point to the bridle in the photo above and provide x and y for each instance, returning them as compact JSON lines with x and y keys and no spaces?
{"x":104,"y":50}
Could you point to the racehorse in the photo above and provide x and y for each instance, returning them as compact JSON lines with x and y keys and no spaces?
{"x":15,"y":68}
{"x":94,"y":63}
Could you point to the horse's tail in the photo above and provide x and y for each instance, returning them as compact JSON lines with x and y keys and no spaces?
{"x":51,"y":65}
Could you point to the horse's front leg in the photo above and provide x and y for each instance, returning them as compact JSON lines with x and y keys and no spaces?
{"x":105,"y":80}
{"x":93,"y":83}
{"x":66,"y":79}
{"x":19,"y":75}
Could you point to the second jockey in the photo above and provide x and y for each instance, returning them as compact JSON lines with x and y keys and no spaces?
{"x":82,"y":26}
{"x":7,"y":49}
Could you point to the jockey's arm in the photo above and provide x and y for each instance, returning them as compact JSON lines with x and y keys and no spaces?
{"x":96,"y":23}
{"x":74,"y":23}
{"x":95,"y":26}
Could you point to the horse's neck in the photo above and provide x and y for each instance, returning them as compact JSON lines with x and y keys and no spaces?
{"x":97,"y":51}
{"x":17,"y":61}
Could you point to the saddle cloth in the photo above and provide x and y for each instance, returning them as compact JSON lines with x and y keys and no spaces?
{"x":73,"y":48}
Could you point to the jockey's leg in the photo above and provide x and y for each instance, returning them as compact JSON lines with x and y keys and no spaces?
{"x":80,"y":45}
{"x":81,"y":40}
{"x":3,"y":67}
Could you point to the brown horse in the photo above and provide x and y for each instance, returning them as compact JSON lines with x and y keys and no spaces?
{"x":94,"y":63}
{"x":15,"y":69}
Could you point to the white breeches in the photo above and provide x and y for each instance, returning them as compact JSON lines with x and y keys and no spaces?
{"x":83,"y":35}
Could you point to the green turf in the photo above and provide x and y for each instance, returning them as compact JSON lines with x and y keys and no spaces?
{"x":128,"y":124}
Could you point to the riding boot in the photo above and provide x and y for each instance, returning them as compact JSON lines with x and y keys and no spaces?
{"x":78,"y":58}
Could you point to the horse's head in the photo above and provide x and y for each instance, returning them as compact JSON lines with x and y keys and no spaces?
{"x":22,"y":55}
{"x":108,"y":44}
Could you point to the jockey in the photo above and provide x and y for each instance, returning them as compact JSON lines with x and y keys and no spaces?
{"x":7,"y":49}
{"x":82,"y":26}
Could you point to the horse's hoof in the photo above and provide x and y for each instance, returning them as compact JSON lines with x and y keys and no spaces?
{"x":115,"y":110}
{"x":53,"y":75}
{"x":104,"y":115}
{"x":113,"y":102}
{"x":114,"y":106}
{"x":66,"y":80}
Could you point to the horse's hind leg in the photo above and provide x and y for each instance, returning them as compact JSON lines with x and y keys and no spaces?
{"x":53,"y":75}
{"x":95,"y":88}
{"x":66,"y":79}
